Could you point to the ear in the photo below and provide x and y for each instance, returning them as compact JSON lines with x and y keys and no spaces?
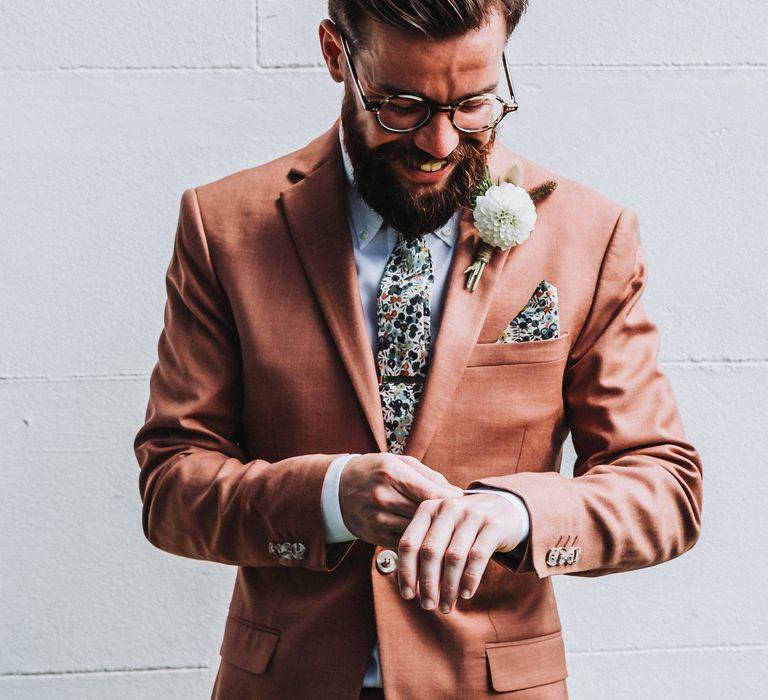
{"x":330,"y":43}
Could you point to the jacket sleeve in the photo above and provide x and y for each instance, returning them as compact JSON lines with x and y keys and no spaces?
{"x":635,"y":499}
{"x":201,"y":498}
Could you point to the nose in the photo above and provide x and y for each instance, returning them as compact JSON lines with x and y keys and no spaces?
{"x":438,"y":136}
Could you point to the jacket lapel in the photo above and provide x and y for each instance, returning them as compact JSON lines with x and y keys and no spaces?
{"x":464,"y":314}
{"x":316,"y":211}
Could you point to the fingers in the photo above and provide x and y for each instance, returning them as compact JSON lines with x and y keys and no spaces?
{"x":462,"y":562}
{"x":408,"y":550}
{"x":476,"y":560}
{"x":445,"y":550}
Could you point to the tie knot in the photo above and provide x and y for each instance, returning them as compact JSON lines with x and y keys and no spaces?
{"x":413,"y":255}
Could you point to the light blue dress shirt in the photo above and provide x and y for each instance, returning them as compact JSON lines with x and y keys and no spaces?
{"x":373,"y":242}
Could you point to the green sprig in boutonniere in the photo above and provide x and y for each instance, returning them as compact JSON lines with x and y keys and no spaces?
{"x":504,"y":215}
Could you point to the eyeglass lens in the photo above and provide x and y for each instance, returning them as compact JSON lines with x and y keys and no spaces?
{"x":403,"y":112}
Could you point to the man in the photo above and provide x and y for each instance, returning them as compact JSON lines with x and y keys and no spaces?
{"x":332,"y":412}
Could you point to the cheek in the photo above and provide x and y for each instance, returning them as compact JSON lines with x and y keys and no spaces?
{"x":375,"y":136}
{"x":480,"y":139}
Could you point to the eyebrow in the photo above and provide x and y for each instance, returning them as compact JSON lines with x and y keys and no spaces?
{"x":389,"y":89}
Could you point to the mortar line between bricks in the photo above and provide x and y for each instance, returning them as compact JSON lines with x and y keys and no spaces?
{"x":319,"y":68}
{"x":202,"y":667}
{"x":724,"y":362}
{"x":670,"y":650}
{"x":100,"y":672}
{"x":33,"y":379}
{"x":127,"y":376}
{"x":669,"y":66}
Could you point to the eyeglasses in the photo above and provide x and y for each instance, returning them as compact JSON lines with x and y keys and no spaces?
{"x":403,"y":113}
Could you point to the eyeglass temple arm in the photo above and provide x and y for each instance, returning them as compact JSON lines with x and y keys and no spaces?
{"x":509,"y":79}
{"x":367,"y":105}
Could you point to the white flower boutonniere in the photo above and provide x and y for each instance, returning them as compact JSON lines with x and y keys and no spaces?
{"x":505,"y":216}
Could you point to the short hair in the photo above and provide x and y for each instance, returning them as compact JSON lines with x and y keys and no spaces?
{"x":437,"y":19}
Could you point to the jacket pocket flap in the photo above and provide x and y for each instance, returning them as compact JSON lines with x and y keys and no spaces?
{"x":526,"y":663}
{"x":247,"y":645}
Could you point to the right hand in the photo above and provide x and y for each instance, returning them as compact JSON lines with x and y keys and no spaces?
{"x":380,"y":492}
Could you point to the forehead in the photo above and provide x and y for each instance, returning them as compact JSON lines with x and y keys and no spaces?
{"x":443,"y":69}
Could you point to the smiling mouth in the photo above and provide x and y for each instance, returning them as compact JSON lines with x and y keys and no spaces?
{"x":433,"y":166}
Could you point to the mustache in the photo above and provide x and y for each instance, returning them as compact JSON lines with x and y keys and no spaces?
{"x":412,"y":156}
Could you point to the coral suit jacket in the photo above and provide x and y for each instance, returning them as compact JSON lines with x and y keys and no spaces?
{"x":265,"y":375}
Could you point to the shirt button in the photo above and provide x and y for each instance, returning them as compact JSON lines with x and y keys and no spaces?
{"x":386,"y":561}
{"x":364,"y":234}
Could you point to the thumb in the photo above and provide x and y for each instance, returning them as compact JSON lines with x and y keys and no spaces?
{"x":424,"y":470}
{"x":420,"y":483}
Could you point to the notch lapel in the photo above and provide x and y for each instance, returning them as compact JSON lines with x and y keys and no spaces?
{"x":316,"y":211}
{"x":464,"y":313}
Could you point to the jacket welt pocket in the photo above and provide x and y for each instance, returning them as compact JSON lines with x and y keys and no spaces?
{"x":247,"y":645}
{"x":529,"y":352}
{"x":526,"y":663}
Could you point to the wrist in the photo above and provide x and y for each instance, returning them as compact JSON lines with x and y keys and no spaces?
{"x":334,"y":526}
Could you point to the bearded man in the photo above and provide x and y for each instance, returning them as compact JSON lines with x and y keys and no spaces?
{"x":373,"y":441}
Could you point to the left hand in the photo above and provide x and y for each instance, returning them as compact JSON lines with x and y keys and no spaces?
{"x":446,"y":547}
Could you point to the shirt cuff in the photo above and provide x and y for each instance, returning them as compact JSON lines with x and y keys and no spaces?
{"x":519,"y":503}
{"x":333,"y":523}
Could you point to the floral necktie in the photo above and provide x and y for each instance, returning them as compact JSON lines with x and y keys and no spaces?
{"x":402,"y":313}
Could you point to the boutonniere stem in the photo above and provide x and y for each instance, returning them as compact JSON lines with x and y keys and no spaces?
{"x":505,"y":216}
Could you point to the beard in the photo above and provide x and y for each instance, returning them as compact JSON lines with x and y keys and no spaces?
{"x":416,"y":213}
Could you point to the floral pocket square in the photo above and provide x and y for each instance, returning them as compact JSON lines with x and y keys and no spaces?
{"x":538,"y":320}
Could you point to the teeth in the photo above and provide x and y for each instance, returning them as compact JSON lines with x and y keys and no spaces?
{"x":433,"y":166}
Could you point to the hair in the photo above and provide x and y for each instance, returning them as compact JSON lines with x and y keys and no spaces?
{"x":436,"y":19}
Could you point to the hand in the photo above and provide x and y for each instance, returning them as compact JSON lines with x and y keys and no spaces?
{"x":380,"y":492}
{"x":446,"y":548}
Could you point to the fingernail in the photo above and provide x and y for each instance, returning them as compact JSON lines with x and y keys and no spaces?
{"x":407,"y":593}
{"x":466,"y":593}
{"x":428,"y":604}
{"x":445,"y":608}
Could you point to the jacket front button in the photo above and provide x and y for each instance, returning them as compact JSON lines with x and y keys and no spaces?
{"x":386,"y":561}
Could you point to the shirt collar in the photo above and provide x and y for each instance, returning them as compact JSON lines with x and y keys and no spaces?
{"x":367,"y":223}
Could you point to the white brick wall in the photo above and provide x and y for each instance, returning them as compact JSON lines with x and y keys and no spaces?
{"x":109,"y":110}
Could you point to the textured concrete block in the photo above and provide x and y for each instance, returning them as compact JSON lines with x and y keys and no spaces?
{"x":655,"y":32}
{"x":96,"y":167}
{"x":139,"y":34}
{"x":684,"y":674}
{"x":287,"y":32}
{"x":82,"y":589}
{"x":610,"y":32}
{"x":174,"y":684}
{"x":686,"y":149}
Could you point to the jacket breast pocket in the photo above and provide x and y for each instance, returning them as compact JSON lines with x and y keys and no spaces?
{"x":529,"y":352}
{"x":519,"y":384}
{"x":247,"y":645}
